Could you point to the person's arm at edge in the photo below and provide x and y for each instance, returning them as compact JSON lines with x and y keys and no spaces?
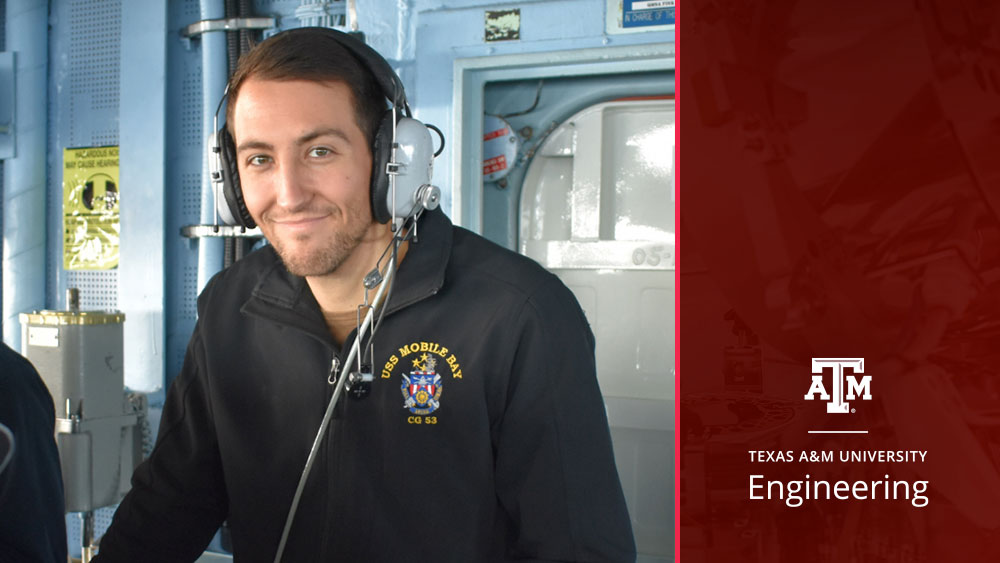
{"x":555,"y":470}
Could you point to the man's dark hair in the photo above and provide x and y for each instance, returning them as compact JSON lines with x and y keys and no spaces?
{"x":312,"y":54}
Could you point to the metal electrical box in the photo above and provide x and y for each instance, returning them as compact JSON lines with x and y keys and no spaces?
{"x":79,"y":356}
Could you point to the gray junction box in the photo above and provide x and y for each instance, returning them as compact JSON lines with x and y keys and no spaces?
{"x":79,"y":356}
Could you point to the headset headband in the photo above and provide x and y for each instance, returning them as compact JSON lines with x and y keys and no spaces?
{"x":387,"y":79}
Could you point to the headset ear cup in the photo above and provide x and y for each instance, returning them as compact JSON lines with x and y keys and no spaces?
{"x":231,"y":187}
{"x":381,"y":152}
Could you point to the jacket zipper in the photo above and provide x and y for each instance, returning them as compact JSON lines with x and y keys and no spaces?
{"x":328,"y":462}
{"x":334,"y":370}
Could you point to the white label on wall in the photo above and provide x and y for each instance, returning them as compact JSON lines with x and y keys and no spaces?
{"x":47,"y":336}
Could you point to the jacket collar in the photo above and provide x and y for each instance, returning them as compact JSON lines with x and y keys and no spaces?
{"x":422,"y":271}
{"x":287,"y":299}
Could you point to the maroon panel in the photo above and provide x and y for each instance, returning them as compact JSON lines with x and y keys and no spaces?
{"x":839,"y":199}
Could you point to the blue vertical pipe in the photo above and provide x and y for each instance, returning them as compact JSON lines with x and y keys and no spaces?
{"x":24,"y":174}
{"x":214,"y":74}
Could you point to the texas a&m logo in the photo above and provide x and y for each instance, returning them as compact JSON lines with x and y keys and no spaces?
{"x":845,"y":387}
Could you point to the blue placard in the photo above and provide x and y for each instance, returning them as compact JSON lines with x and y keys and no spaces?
{"x":643,"y":13}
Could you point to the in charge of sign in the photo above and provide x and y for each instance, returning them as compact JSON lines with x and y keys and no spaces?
{"x":640,"y":13}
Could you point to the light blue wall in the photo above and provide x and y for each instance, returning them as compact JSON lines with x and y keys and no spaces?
{"x":447,"y":33}
{"x":24,"y":171}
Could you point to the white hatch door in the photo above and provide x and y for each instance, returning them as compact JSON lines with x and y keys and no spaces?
{"x":597,"y":209}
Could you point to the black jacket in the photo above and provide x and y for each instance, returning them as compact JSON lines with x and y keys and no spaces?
{"x":32,"y":508}
{"x":484,"y":437}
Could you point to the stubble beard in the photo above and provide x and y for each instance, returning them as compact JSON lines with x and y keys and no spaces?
{"x":325,"y":258}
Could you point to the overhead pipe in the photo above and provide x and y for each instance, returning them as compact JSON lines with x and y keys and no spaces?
{"x":24,"y":183}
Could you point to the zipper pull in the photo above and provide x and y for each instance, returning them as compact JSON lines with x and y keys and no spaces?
{"x":334,"y":371}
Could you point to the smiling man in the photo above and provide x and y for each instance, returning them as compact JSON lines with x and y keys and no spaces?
{"x":307,"y":179}
{"x":305,"y":175}
{"x":484,"y":436}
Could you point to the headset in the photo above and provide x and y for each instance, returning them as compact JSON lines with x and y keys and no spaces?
{"x":402,"y":152}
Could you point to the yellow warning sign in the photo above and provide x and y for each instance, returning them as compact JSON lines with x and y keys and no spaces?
{"x":90,"y":208}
